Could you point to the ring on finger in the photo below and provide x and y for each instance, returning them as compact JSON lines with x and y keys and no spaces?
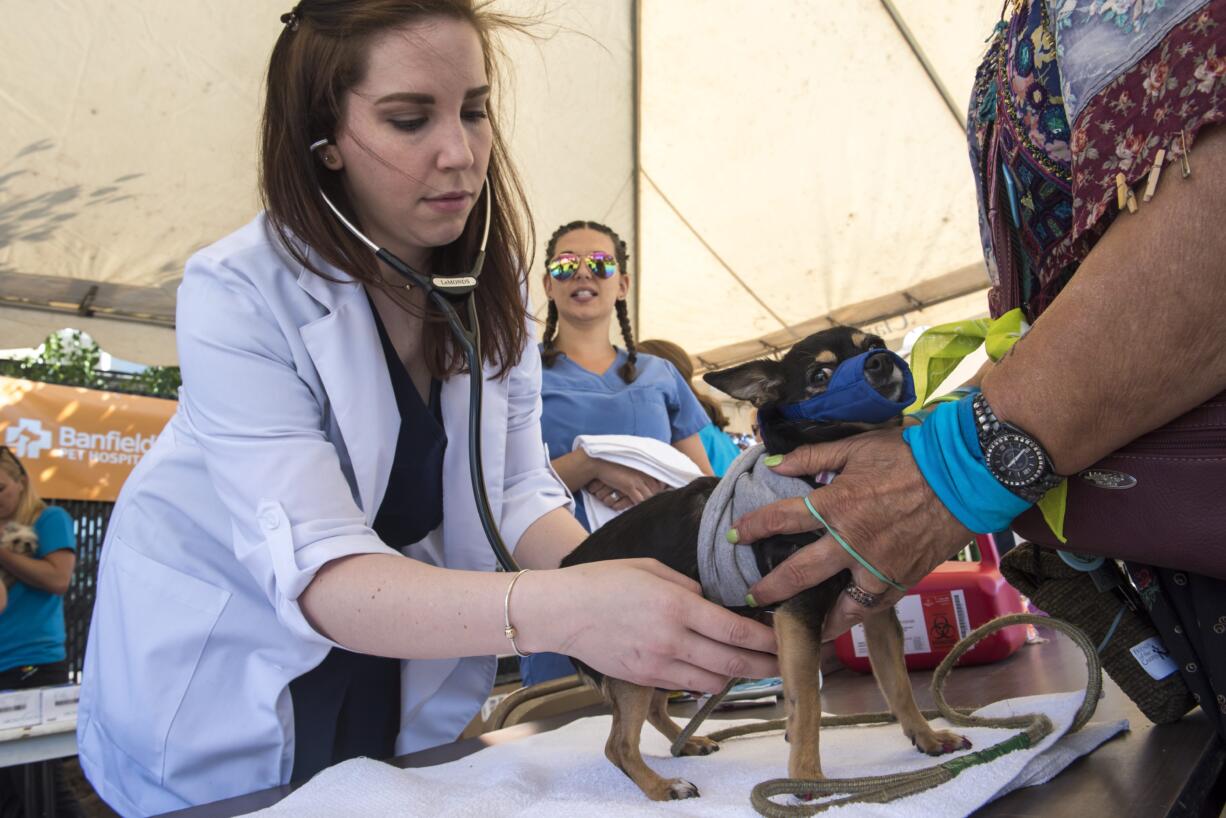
{"x":614,"y":496}
{"x":863,"y":597}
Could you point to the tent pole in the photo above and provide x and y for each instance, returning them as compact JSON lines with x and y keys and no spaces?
{"x":636,"y":28}
{"x":901,"y":25}
{"x":728,"y":267}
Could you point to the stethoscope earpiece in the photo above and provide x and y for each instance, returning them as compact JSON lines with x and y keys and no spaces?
{"x":324,"y":157}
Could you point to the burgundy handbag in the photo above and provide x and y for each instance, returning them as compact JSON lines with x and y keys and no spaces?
{"x":1160,"y":500}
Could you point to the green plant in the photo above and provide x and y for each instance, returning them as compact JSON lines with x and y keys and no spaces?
{"x":72,"y":359}
{"x":160,"y":381}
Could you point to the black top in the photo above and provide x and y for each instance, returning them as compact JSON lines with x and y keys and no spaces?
{"x":412,"y":505}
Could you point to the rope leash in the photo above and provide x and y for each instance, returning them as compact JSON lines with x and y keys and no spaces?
{"x":879,"y":789}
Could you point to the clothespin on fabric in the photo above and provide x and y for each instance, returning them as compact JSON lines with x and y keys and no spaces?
{"x":1124,"y":196}
{"x":1154,"y":173}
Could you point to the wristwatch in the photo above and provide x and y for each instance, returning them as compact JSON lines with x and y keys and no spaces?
{"x":1016,"y":459}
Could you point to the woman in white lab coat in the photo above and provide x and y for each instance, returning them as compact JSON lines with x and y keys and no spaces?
{"x":255,"y":575}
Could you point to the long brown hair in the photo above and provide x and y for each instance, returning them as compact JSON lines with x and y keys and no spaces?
{"x":679,"y":358}
{"x":549,"y":352}
{"x":322,"y":53}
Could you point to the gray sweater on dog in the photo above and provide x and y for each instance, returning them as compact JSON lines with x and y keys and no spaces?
{"x":727,"y":571}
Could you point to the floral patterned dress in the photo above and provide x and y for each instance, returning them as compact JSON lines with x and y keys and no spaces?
{"x":1071,"y":95}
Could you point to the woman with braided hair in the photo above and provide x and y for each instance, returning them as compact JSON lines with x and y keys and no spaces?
{"x":589,"y":386}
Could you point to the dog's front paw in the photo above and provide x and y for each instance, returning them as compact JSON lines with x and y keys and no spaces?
{"x":679,"y":788}
{"x":940,"y":742}
{"x":699,"y":746}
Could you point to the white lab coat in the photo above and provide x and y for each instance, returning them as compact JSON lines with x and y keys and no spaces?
{"x":274,"y":464}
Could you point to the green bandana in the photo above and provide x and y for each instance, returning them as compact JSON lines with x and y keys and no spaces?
{"x":938,"y":352}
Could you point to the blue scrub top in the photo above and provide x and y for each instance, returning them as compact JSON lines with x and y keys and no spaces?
{"x":658,"y":404}
{"x":721,"y":451}
{"x":32,"y":625}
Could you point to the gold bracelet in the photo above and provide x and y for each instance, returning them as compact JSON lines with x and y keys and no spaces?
{"x":509,"y":629}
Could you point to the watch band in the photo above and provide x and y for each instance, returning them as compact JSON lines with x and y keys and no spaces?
{"x":989,"y":428}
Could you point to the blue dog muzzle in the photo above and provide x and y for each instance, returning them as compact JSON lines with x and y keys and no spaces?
{"x":850,"y":397}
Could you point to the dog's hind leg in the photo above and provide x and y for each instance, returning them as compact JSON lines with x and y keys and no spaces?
{"x":800,"y":662}
{"x":659,"y":718}
{"x":631,"y":705}
{"x":885,"y":651}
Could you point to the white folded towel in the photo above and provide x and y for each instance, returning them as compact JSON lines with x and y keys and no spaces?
{"x":563,"y":773}
{"x":648,"y":455}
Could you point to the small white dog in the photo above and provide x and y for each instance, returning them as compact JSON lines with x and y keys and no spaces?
{"x":20,"y":539}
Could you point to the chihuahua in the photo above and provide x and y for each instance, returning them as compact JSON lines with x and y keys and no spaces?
{"x":665,"y":527}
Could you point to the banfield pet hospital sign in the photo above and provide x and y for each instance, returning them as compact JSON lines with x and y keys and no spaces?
{"x":78,"y":444}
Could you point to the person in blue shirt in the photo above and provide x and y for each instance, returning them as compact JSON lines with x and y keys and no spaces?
{"x":720,"y":448}
{"x":32,"y":650}
{"x":32,"y":624}
{"x":591,"y":387}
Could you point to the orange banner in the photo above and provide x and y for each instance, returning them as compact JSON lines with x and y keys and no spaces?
{"x":78,"y":444}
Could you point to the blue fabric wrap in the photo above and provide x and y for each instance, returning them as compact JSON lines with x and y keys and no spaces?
{"x":850,"y":397}
{"x":947,"y":451}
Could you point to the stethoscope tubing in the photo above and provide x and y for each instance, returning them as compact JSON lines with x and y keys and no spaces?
{"x":442,"y":291}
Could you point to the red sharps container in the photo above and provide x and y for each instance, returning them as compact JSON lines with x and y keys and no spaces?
{"x":946,"y":605}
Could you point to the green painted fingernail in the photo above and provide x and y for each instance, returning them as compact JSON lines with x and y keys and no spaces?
{"x":732,"y":536}
{"x":750,"y":601}
{"x":773,"y":460}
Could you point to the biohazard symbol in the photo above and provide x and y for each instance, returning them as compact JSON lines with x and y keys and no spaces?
{"x":942,"y":629}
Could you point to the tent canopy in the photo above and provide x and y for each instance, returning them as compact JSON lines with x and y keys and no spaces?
{"x":774,"y":167}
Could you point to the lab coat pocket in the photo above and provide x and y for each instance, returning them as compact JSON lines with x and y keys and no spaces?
{"x":165,"y":617}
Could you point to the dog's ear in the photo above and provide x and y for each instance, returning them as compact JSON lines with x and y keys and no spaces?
{"x":758,"y":382}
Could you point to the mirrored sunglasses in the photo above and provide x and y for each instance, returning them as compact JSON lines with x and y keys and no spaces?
{"x":565,"y":265}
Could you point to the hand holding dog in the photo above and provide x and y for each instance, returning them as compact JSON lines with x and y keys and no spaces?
{"x":666,"y":635}
{"x":879,"y":503}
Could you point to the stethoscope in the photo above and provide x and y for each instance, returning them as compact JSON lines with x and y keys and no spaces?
{"x":443,"y":291}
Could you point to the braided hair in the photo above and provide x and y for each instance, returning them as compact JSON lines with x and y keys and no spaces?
{"x":549,"y":352}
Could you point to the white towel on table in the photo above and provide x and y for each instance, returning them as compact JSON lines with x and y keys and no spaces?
{"x":564,"y":773}
{"x":648,"y":455}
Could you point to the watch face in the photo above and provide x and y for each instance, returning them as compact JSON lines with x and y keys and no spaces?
{"x":1014,"y":460}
